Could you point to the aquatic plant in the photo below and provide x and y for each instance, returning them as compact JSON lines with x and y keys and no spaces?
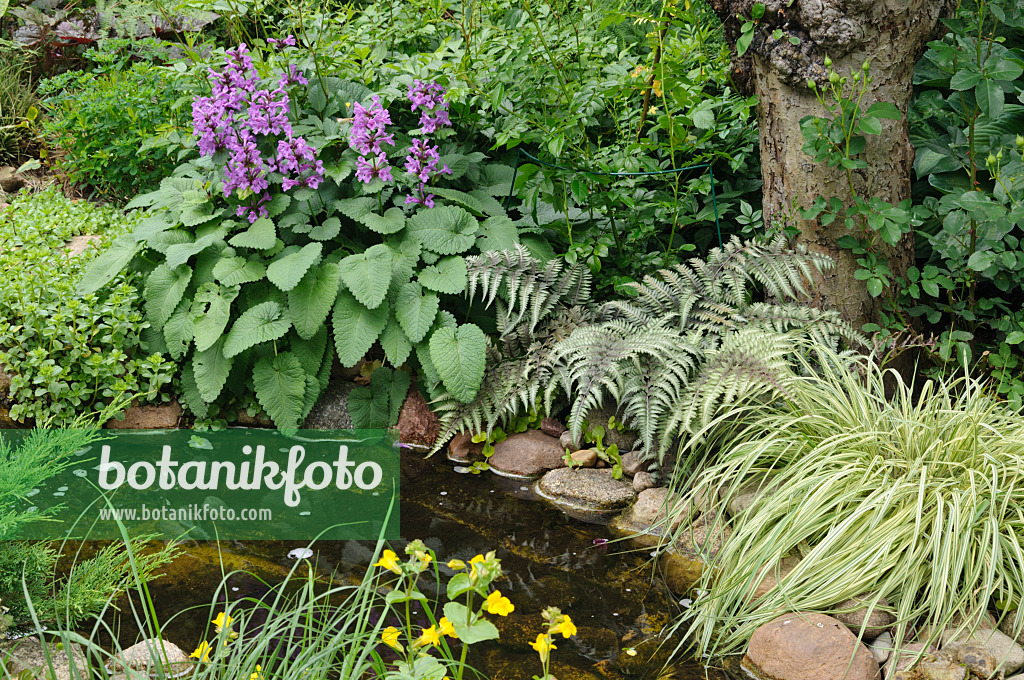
{"x":914,"y":498}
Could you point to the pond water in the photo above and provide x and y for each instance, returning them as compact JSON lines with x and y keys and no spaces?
{"x":548,"y":558}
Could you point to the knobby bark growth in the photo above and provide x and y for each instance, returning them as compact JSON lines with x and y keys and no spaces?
{"x":892,"y":35}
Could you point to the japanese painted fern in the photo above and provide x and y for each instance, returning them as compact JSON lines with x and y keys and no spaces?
{"x":690,"y":341}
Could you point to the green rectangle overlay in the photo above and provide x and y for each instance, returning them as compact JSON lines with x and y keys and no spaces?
{"x":236,"y":484}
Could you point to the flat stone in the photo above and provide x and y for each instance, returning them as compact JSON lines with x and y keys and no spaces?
{"x":584,"y":458}
{"x":978,"y":660}
{"x":552,"y":427}
{"x":417,"y":423}
{"x":78,"y":244}
{"x":643,"y":481}
{"x":808,"y":647}
{"x":880,"y":621}
{"x":585,"y":488}
{"x":881,"y":647}
{"x":151,"y":655}
{"x":158,"y":417}
{"x":527,"y":454}
{"x":1008,"y":654}
{"x":27,"y":655}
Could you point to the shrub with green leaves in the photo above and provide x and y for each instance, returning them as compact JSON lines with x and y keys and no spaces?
{"x":908,"y":492}
{"x":101,"y":121}
{"x":326,"y":266}
{"x":67,"y":353}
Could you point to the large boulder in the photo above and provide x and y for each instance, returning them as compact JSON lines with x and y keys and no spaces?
{"x":331,"y":411}
{"x":585,"y":489}
{"x":808,"y":647}
{"x":527,"y":454}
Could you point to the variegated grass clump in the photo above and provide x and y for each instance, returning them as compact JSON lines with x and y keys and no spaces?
{"x":918,"y":498}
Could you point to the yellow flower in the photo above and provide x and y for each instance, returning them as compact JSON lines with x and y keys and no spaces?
{"x":497,"y":603}
{"x":423,"y":556}
{"x":445,"y":627}
{"x":202,"y":652}
{"x":390,"y":637}
{"x":543,"y":645}
{"x":222,"y":621}
{"x":652,"y":111}
{"x":473,"y":571}
{"x":567,"y":628}
{"x":256,"y":675}
{"x":389,"y":560}
{"x":656,"y":86}
{"x":456,"y":564}
{"x":429,"y":636}
{"x":630,"y":651}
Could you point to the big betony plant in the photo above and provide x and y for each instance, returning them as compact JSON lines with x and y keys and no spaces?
{"x":295,"y":226}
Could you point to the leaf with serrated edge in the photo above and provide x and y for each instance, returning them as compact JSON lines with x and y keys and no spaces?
{"x":445,"y":230}
{"x":210,"y":324}
{"x":355,"y":327}
{"x":164,"y":289}
{"x":368,"y":274}
{"x":262,"y":235}
{"x":280,"y":386}
{"x":396,"y":346}
{"x":310,"y":302}
{"x":211,"y":369}
{"x":286,"y":272}
{"x":415,"y":310}
{"x":262,"y":323}
{"x":447,"y":276}
{"x":232,"y":271}
{"x":459,"y":355}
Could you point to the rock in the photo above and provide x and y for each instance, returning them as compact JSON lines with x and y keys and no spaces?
{"x":552,"y":427}
{"x":26,"y":655}
{"x":978,"y":660}
{"x":933,"y":667}
{"x":905,"y":658}
{"x":646,"y":521}
{"x":643,"y":481}
{"x":881,"y":647}
{"x":631,"y":463}
{"x":623,"y":439}
{"x":527,"y":454}
{"x":347,"y":374}
{"x":566,"y":442}
{"x":980,"y":620}
{"x":78,"y":244}
{"x":331,"y":411}
{"x":587,"y":489}
{"x":159,"y":417}
{"x":151,"y":656}
{"x":9,"y":181}
{"x":770,"y":576}
{"x":747,"y":493}
{"x":462,"y":448}
{"x":682,"y":564}
{"x":585,"y":458}
{"x":1008,"y":654}
{"x":1006,"y":627}
{"x":808,"y":647}
{"x":5,"y":383}
{"x":243,"y":418}
{"x":880,"y":621}
{"x":417,"y":424}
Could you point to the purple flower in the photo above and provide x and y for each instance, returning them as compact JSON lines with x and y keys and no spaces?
{"x":366,"y":170}
{"x":292,"y":77}
{"x":421,"y":162}
{"x":429,"y":98}
{"x":369,"y":131}
{"x":289,"y":41}
{"x":256,"y":210}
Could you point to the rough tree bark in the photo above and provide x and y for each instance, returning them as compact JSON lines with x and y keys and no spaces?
{"x":892,"y":34}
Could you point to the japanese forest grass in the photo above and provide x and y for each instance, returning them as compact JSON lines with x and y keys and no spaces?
{"x":916,"y":498}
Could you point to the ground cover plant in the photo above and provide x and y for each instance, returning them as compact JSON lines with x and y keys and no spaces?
{"x":65,"y":353}
{"x":907,"y":492}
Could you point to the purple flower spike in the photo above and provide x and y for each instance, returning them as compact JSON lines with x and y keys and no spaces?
{"x":429,"y":98}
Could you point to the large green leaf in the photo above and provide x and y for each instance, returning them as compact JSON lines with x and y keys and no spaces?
{"x":190,"y":393}
{"x":310,"y":302}
{"x":107,"y":265}
{"x":178,"y":330}
{"x":395,"y":344}
{"x":447,"y":276}
{"x":232,"y":271}
{"x":478,"y":631}
{"x":287,"y":270}
{"x":378,"y":406}
{"x":497,"y":233}
{"x":164,"y":289}
{"x":355,"y":327}
{"x":262,"y":235}
{"x":311,"y":352}
{"x":368,"y":274}
{"x":415,"y":310}
{"x":212,"y":314}
{"x":261,"y":323}
{"x":459,"y":356}
{"x":460,"y":198}
{"x":178,"y":255}
{"x":280,"y":387}
{"x":211,"y":369}
{"x":446,"y":230}
{"x":364,"y":210}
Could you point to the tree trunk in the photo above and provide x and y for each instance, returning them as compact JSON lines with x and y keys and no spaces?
{"x":892,"y":35}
